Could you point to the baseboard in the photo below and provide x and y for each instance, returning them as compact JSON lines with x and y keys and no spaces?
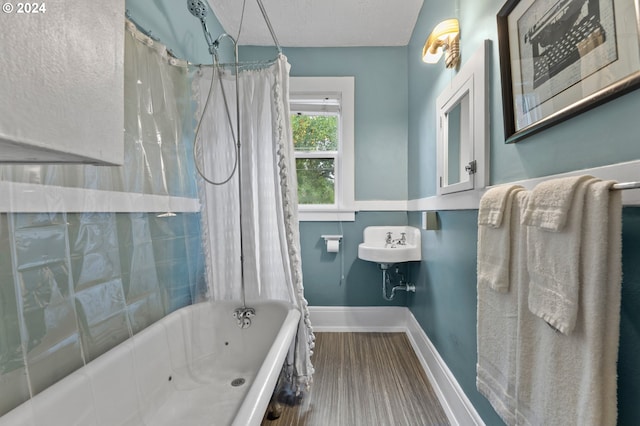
{"x":358,"y":319}
{"x":459,"y":409}
{"x":455,"y":403}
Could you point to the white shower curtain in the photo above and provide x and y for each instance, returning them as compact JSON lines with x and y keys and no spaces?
{"x":270,"y":235}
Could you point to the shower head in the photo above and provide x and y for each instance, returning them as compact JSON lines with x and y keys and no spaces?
{"x":199,"y":8}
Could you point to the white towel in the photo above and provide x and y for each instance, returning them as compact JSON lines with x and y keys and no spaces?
{"x":550,"y":202}
{"x":571,"y":380}
{"x":554,"y":257}
{"x":494,"y":204}
{"x":494,"y":237}
{"x":498,"y":324}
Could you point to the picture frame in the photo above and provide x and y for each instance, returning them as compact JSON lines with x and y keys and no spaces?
{"x":560,"y":58}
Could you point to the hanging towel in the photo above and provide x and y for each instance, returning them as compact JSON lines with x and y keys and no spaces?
{"x":554,"y":257}
{"x":494,"y":237}
{"x":571,"y":380}
{"x":549,"y":204}
{"x":493,"y":205}
{"x":498,"y":324}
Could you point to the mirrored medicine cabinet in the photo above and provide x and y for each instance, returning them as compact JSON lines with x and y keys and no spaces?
{"x":463,"y":127}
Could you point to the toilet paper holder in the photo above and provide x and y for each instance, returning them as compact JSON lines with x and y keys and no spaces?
{"x":332,"y":242}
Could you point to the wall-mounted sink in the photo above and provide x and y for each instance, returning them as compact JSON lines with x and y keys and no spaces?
{"x":390,"y":244}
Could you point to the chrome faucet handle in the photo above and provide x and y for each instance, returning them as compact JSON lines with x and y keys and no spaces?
{"x":403,"y":239}
{"x":389,"y":239}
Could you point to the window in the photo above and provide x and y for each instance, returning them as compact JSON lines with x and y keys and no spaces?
{"x":322,"y":124}
{"x":315,"y":137}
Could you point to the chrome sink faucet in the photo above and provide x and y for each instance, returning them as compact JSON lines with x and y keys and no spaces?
{"x":389,"y":241}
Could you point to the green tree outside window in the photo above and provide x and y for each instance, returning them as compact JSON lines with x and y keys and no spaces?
{"x":313,"y":135}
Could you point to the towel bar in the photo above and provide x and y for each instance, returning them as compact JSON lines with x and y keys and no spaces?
{"x":626,"y":185}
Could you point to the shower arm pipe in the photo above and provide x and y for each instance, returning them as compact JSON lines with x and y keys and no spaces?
{"x":243,"y":314}
{"x":238,"y":147}
{"x":199,"y":9}
{"x":214,"y":53}
{"x":215,"y":45}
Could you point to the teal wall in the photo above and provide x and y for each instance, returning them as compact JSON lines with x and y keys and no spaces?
{"x":628,"y":365}
{"x":602,"y":136}
{"x":445,"y":299}
{"x":323,"y":272}
{"x":381,"y":109}
{"x":171,"y":22}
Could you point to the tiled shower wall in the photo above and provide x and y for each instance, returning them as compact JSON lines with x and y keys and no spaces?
{"x":73,"y":285}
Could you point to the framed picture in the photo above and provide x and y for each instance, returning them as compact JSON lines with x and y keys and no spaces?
{"x":559,"y":58}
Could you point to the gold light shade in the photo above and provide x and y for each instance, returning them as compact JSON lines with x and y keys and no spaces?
{"x":443,"y":39}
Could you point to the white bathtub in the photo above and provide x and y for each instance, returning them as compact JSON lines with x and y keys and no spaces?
{"x":178,"y":371}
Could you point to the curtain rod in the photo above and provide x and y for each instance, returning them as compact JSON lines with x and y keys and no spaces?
{"x":143,"y":30}
{"x":625,"y":185}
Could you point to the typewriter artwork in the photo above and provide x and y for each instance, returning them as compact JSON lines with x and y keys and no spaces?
{"x":568,"y":30}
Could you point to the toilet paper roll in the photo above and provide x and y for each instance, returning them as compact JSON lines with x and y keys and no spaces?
{"x":333,"y":246}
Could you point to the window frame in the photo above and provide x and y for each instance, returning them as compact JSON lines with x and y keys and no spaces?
{"x":343,"y":87}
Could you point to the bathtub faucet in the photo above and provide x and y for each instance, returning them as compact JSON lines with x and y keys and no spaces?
{"x":243,"y":316}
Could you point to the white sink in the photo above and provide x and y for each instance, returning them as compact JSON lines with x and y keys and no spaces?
{"x":390,"y":244}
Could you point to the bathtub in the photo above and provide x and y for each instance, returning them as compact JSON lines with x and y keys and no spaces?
{"x":195,"y":366}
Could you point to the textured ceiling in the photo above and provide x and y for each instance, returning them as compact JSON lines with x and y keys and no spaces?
{"x":321,"y":23}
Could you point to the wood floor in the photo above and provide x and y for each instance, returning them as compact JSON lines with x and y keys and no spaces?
{"x":365,"y":379}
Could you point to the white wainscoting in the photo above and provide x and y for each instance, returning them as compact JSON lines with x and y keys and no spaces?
{"x":469,"y":200}
{"x":455,"y":403}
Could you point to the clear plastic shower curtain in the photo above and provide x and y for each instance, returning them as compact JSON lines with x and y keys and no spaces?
{"x":87,"y":259}
{"x":270,"y":240}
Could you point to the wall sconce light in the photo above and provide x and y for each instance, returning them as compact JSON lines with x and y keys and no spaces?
{"x":445,"y":38}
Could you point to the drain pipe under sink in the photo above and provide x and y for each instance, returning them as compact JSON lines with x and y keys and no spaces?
{"x":386,"y":280}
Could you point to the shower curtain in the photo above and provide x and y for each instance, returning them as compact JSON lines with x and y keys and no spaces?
{"x":269,"y":217}
{"x":88,"y":255}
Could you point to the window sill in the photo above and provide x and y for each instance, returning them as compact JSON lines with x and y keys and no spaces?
{"x":326,"y":215}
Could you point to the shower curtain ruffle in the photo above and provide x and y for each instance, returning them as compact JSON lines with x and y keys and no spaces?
{"x":302,"y":369}
{"x":271,"y":240}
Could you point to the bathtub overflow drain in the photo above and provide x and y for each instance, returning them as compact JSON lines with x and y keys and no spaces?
{"x":237,"y":382}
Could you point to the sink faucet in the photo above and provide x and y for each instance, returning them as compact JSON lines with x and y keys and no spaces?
{"x":403,"y":240}
{"x":389,"y":240}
